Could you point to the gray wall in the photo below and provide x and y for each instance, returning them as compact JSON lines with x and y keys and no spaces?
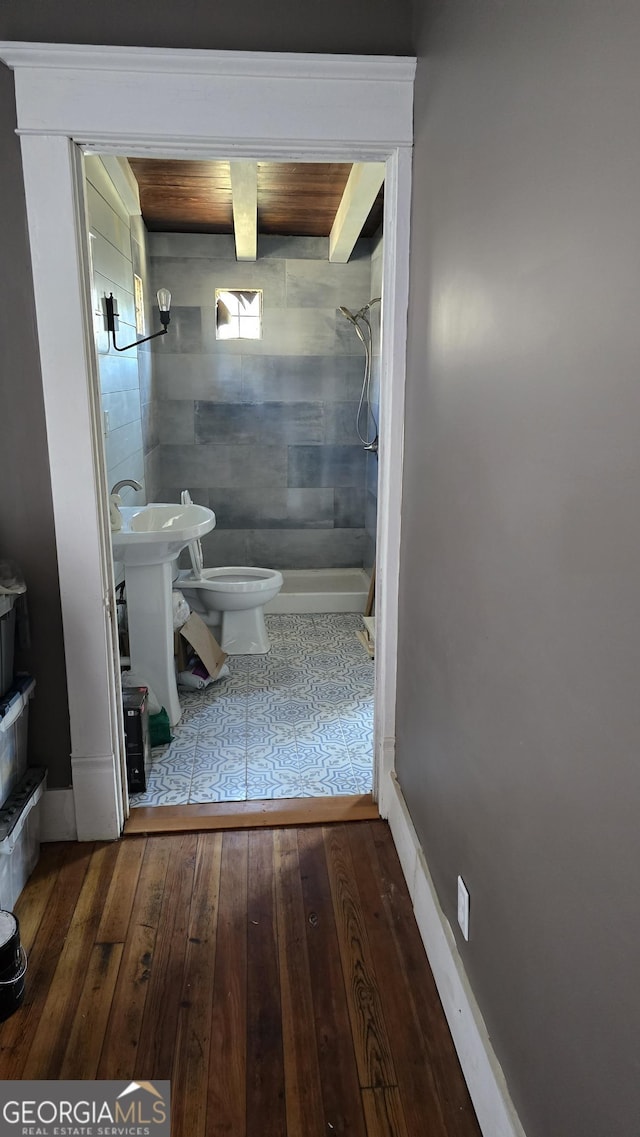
{"x":518,"y":710}
{"x":26,"y":513}
{"x":263,"y":431}
{"x":362,"y":26}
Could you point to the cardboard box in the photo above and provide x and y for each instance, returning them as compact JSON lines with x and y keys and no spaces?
{"x":205,"y":645}
{"x":182,"y":652}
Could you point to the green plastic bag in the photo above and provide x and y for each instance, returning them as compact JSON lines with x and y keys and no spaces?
{"x":159,"y":729}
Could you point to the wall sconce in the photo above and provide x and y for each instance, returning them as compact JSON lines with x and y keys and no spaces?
{"x":164,"y":304}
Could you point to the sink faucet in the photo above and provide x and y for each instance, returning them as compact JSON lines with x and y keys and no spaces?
{"x":115,"y":517}
{"x":126,"y":482}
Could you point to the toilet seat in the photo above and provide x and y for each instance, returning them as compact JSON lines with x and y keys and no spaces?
{"x":236,"y":579}
{"x":196,"y":557}
{"x":195,"y":547}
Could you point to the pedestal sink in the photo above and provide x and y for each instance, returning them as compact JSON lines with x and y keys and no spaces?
{"x":151,"y":538}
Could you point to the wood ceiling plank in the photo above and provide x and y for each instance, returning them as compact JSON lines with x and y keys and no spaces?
{"x":195,"y":196}
{"x":299,"y":198}
{"x":149,"y":169}
{"x":188,"y":206}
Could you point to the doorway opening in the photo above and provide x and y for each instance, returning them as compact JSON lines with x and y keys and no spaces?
{"x":74,"y":99}
{"x":273,"y":435}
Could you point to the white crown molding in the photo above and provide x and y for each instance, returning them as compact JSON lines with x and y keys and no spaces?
{"x":294,"y":149}
{"x":90,"y":94}
{"x":195,"y":62}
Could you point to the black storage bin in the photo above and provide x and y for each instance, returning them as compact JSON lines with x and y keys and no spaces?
{"x":136,"y":729}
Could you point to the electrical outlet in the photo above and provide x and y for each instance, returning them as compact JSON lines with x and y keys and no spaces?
{"x":463,"y":908}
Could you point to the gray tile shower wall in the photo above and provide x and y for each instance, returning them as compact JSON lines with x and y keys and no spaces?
{"x":263,"y":431}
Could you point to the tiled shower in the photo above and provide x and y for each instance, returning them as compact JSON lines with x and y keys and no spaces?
{"x":262,"y":432}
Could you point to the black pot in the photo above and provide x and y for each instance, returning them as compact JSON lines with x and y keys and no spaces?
{"x":13,"y":965}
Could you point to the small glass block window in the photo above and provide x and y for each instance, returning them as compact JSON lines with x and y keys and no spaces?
{"x":238,"y":314}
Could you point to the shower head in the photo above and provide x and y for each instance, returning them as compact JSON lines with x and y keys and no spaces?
{"x":347,"y":314}
{"x":362,"y":314}
{"x":354,"y":320}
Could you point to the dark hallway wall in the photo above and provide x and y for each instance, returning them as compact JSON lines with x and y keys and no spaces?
{"x":26,"y":512}
{"x":519,"y":650}
{"x":377,"y":27}
{"x":26,"y":518}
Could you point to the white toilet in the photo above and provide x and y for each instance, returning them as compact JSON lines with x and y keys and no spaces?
{"x":233,"y":596}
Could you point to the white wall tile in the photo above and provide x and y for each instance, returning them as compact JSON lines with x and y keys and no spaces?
{"x":106,"y":222}
{"x":123,"y":443}
{"x":109,"y":262}
{"x":98,"y":177}
{"x":122,"y":407}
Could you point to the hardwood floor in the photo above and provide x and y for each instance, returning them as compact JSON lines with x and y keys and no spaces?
{"x":276,"y":976}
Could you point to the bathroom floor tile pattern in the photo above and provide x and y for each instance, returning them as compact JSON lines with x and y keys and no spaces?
{"x":297,"y":722}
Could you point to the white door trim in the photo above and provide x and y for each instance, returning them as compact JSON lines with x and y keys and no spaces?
{"x":187,"y":104}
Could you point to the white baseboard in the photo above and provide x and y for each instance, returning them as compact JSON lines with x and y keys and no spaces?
{"x":384,"y":777}
{"x":58,"y":816}
{"x":482,"y":1072}
{"x":97,"y":809}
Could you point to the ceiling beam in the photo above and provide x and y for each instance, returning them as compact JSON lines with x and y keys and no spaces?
{"x":359,"y":195}
{"x":244,"y":193}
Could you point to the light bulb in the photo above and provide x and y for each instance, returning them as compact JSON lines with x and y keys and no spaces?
{"x":164,"y":299}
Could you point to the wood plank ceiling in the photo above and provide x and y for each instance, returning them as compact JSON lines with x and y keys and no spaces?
{"x":294,"y":198}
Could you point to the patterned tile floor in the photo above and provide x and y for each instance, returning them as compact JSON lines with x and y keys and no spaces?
{"x":297,"y":722}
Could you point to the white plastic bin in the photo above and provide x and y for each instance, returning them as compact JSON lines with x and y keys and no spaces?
{"x":7,"y":640}
{"x":14,"y":727}
{"x":20,"y":835}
